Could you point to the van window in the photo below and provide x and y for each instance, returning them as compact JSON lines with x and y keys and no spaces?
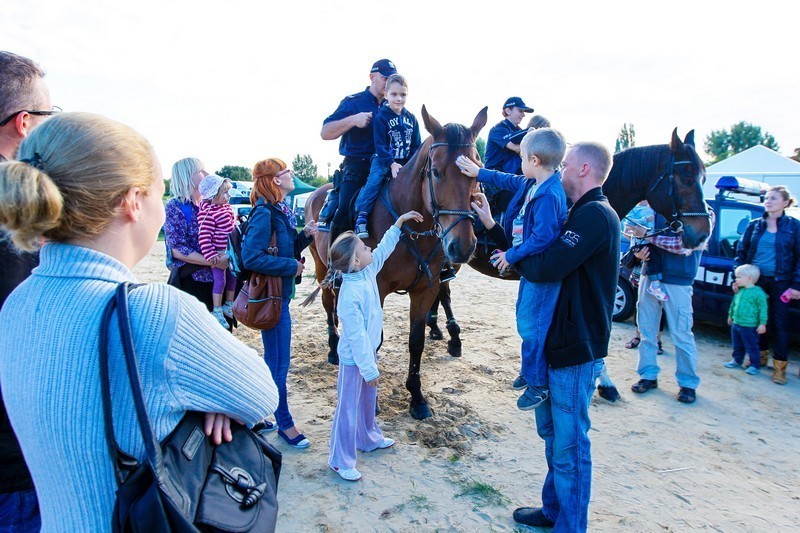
{"x":732,"y":222}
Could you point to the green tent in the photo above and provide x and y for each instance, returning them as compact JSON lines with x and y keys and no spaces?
{"x":301,"y":187}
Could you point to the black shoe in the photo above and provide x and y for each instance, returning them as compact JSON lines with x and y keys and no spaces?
{"x":644,"y":385}
{"x":532,"y":516}
{"x":687,"y":395}
{"x":519,"y":383}
{"x":448,"y":274}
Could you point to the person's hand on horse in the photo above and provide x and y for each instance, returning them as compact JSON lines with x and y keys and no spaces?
{"x":300,"y":268}
{"x":643,"y":254}
{"x":374,"y":382}
{"x":361,"y":120}
{"x":310,"y":228}
{"x":481,"y":206}
{"x":395,"y":169}
{"x":499,"y":261}
{"x":467,"y":166}
{"x":218,"y":427}
{"x":411,"y":215}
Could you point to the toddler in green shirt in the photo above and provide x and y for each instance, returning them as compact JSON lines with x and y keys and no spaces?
{"x":747,"y":318}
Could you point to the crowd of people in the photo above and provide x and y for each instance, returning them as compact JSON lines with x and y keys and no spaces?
{"x":70,"y":244}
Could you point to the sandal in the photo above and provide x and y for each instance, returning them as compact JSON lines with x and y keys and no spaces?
{"x":633,"y":343}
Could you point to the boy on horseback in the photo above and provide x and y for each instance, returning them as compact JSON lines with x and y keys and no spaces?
{"x":537,"y":212}
{"x":397,"y":138}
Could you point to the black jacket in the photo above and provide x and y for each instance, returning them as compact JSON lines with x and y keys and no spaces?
{"x":787,"y":247}
{"x":585,"y":258}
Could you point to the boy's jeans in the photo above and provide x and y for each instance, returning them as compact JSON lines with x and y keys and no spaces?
{"x":369,"y":193}
{"x":563,"y":423}
{"x":536,"y":303}
{"x":745,"y":340}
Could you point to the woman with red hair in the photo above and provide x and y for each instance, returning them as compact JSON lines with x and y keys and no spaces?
{"x":270,"y":214}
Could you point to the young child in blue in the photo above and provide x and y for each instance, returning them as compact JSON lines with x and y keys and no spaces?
{"x":397,"y":138}
{"x":747,"y":318}
{"x":361,"y":316}
{"x":643,"y":216}
{"x":536,"y":214}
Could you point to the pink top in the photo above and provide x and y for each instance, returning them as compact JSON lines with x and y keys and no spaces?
{"x":216,"y":223}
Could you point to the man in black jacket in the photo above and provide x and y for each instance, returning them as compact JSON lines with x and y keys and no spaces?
{"x":586,"y":260}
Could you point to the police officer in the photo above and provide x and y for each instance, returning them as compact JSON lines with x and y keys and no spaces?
{"x":501,"y":153}
{"x":352,"y":121}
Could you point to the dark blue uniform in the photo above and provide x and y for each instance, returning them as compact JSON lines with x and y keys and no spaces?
{"x":498,"y":157}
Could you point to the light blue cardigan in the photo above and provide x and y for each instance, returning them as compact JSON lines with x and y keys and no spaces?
{"x":51,"y":382}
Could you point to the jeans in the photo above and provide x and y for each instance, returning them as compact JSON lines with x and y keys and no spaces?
{"x":745,"y":340}
{"x":369,"y":193}
{"x":777,"y":318}
{"x":19,"y":512}
{"x":536,"y":303}
{"x":563,"y":423}
{"x":678,"y":309}
{"x":277,"y":354}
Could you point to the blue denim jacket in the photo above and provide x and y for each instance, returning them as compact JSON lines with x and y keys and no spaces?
{"x":256,"y":241}
{"x":787,"y":247}
{"x":544,"y":217}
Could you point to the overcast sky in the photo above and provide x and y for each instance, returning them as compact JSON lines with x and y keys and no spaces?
{"x":233,"y":82}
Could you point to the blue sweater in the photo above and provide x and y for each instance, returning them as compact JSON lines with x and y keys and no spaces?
{"x":49,"y":371}
{"x":397,"y":137}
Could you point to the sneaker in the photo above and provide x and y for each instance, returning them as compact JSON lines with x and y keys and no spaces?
{"x":361,"y":230}
{"x":519,"y":383}
{"x":752,"y":371}
{"x":217,"y":312}
{"x":324,"y":226}
{"x":347,"y":474}
{"x":387,"y":443}
{"x":657,"y":292}
{"x":532,"y":398}
{"x":687,"y":395}
{"x":732,"y":364}
{"x":227,"y":309}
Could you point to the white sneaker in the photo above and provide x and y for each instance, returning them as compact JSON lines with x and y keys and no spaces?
{"x":347,"y":474}
{"x":217,"y":312}
{"x":387,"y":443}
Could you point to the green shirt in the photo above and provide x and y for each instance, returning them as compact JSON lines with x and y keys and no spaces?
{"x":749,"y":307}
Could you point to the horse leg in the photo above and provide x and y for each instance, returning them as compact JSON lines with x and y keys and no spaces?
{"x":420,"y":304}
{"x":454,"y":344}
{"x":431,"y":318}
{"x":329,"y":302}
{"x":606,"y":388}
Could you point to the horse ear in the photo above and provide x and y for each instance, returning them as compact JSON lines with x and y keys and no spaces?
{"x":675,"y":145}
{"x":689,"y":139}
{"x":431,"y":124}
{"x":479,"y":122}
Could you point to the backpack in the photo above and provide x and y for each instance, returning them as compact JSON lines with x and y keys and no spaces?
{"x":234,"y":249}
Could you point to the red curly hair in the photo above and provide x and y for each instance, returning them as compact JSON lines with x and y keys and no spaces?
{"x":264,"y":186}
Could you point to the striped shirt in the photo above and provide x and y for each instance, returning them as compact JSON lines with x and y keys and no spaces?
{"x":216,"y":223}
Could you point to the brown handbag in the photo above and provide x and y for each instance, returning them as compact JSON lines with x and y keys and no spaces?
{"x":258,"y":304}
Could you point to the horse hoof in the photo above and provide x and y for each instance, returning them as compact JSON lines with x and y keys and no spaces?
{"x":333,"y":358}
{"x":454,"y":349}
{"x":421,"y":412}
{"x":435,"y":334}
{"x":608,"y":393}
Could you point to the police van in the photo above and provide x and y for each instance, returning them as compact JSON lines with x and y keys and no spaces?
{"x":738,"y":201}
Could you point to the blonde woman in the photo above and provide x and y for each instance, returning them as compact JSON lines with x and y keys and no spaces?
{"x":90,"y":189}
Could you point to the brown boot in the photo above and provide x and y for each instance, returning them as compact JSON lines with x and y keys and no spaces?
{"x":779,"y":375}
{"x":764,"y":358}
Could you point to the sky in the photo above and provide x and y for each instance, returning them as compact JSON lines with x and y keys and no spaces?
{"x":238,"y":81}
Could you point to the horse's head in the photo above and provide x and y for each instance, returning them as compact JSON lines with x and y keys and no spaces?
{"x":446,"y":191}
{"x":678,"y":193}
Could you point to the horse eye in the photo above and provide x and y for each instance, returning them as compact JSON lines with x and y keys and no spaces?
{"x":436,"y":173}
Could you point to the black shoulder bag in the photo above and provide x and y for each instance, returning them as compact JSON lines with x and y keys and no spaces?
{"x":185,"y":483}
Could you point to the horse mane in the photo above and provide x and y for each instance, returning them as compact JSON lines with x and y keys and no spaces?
{"x":456,"y":135}
{"x":631,"y":164}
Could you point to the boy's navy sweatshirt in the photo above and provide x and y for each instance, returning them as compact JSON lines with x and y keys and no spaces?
{"x":397,"y":137}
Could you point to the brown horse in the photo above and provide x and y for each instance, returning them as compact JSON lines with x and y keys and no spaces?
{"x":431,"y":184}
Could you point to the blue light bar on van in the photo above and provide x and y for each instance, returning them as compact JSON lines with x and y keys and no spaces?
{"x":741,"y":185}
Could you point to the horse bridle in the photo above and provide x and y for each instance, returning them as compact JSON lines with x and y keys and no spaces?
{"x":437,"y":211}
{"x":675,"y":225}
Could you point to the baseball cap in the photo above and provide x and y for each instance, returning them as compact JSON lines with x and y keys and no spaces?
{"x":516,"y":101}
{"x":209,"y":187}
{"x":384,"y":67}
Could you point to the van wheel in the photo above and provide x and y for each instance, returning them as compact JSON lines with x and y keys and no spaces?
{"x":624,"y":301}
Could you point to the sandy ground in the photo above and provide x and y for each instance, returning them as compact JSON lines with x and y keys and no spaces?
{"x":729,"y":462}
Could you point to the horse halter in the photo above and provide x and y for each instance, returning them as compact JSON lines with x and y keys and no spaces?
{"x":675,"y":225}
{"x":437,"y":211}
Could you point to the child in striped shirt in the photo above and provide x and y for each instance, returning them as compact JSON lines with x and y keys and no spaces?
{"x":215,"y":221}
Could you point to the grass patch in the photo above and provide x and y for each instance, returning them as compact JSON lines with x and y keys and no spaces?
{"x":482,"y":493}
{"x":454,"y":458}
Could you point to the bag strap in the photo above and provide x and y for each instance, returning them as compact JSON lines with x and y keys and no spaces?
{"x":151,"y":445}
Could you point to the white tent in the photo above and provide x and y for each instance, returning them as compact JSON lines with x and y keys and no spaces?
{"x":758,"y":163}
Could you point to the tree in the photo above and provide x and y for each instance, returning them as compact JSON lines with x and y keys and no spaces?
{"x":626,"y":138}
{"x":796,"y":155}
{"x":305,"y":169}
{"x":235,"y":173}
{"x":721,"y":144}
{"x":480,"y":146}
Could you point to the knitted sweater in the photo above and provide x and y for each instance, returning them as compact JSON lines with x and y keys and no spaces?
{"x":749,"y":307}
{"x":50,"y":377}
{"x":216,"y":223}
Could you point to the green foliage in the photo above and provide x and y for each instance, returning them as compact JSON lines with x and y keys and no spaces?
{"x":796,"y":155}
{"x":626,"y":138}
{"x":235,"y":173}
{"x":721,"y":144}
{"x":480,"y":145}
{"x":305,"y":170}
{"x":482,"y":493}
